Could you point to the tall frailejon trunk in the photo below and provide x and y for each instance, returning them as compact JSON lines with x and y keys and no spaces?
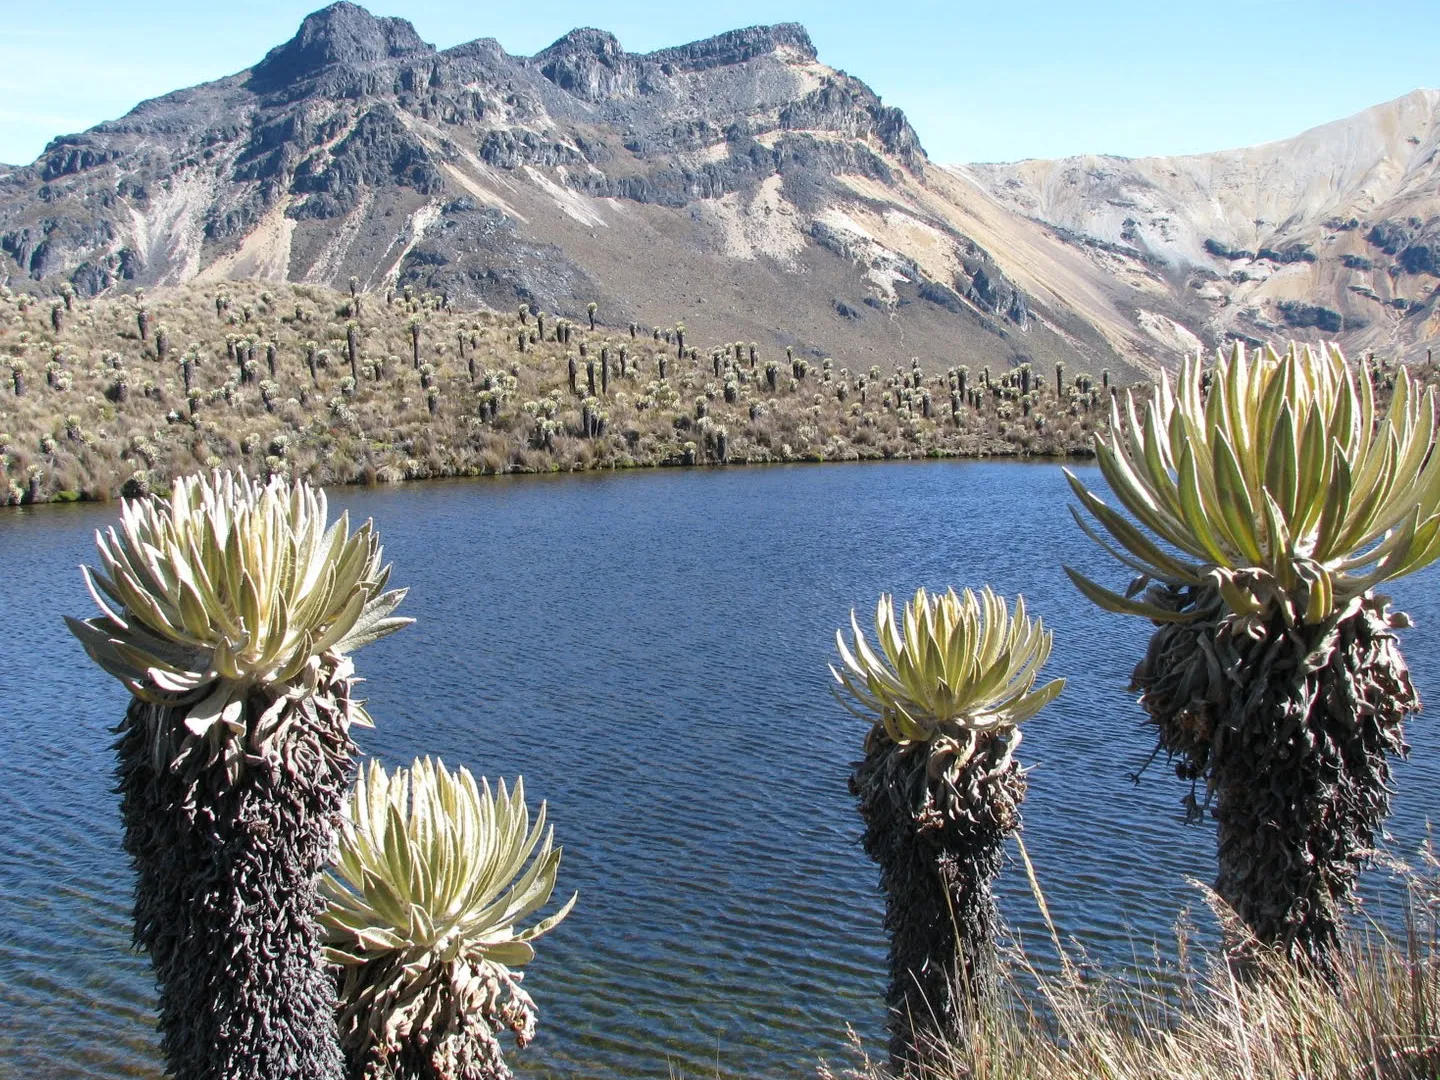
{"x":938,"y":859}
{"x":1297,"y":758}
{"x":226,"y":899}
{"x":234,"y":759}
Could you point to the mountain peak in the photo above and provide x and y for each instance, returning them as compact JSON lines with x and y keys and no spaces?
{"x":343,"y":33}
{"x":592,"y":64}
{"x":736,"y":46}
{"x":586,"y":39}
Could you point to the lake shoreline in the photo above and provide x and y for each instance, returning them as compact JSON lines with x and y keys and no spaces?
{"x":313,"y":384}
{"x":374,"y":480}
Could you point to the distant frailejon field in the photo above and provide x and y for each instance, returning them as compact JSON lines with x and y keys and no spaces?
{"x":740,"y":184}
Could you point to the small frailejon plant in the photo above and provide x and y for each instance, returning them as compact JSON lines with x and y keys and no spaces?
{"x":1271,"y":500}
{"x":229,"y":611}
{"x":940,"y":789}
{"x":423,"y":917}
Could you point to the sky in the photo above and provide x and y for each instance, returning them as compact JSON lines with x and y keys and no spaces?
{"x":991,"y":81}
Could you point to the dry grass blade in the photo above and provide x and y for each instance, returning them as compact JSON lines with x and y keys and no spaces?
{"x":1198,"y":1022}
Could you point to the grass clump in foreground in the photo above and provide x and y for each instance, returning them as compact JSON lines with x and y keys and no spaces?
{"x":1274,"y":677}
{"x":1378,"y":1016}
{"x":122,"y":394}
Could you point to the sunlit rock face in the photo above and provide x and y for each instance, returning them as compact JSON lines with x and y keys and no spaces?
{"x":737,"y":183}
{"x":1335,"y":232}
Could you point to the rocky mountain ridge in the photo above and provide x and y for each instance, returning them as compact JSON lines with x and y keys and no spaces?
{"x":737,"y":181}
{"x":1334,"y":232}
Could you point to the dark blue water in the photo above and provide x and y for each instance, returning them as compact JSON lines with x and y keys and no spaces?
{"x":649,"y":649}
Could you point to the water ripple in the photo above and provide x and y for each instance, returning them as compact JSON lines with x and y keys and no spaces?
{"x":650,"y":651}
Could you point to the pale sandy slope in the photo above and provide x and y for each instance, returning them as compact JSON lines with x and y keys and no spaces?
{"x":1140,"y":228}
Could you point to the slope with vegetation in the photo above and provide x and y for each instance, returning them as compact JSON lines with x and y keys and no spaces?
{"x":125,"y":393}
{"x":1274,"y":682}
{"x":231,"y":620}
{"x":739,"y":180}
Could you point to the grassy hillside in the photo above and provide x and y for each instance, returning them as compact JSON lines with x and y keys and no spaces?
{"x":119,"y":395}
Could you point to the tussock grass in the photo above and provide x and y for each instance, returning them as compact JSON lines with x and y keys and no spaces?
{"x":1192,"y":1019}
{"x":99,"y":412}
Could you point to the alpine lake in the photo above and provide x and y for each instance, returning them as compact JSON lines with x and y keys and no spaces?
{"x":650,"y":650}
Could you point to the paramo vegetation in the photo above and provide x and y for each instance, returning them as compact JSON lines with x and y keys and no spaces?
{"x":123,"y":394}
{"x":1274,"y":681}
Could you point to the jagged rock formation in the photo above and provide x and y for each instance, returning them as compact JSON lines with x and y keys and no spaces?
{"x":1333,"y":233}
{"x":740,"y":183}
{"x":736,"y":181}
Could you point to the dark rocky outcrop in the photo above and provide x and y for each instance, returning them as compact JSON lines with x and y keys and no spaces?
{"x":736,"y":47}
{"x":583,"y":172}
{"x":341,"y":34}
{"x":1290,"y":253}
{"x":992,"y":292}
{"x":1224,"y":251}
{"x":1303,"y":316}
{"x":1414,"y":243}
{"x":591,"y":65}
{"x":379,"y":150}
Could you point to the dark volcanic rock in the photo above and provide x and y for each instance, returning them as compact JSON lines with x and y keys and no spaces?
{"x":71,"y":154}
{"x":736,"y":47}
{"x":1216,"y":248}
{"x":379,"y":150}
{"x":590,"y":64}
{"x":342,"y":33}
{"x":1415,"y":243}
{"x":644,"y":182}
{"x":479,"y":254}
{"x":1290,"y":253}
{"x":993,"y":292}
{"x":1302,"y":316}
{"x":947,"y":298}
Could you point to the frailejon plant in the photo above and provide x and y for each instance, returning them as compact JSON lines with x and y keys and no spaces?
{"x":423,"y":918}
{"x":229,"y":612}
{"x":940,"y":789}
{"x":1271,"y":501}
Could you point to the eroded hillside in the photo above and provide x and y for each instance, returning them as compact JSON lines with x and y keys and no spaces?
{"x":1334,"y":233}
{"x":737,"y":182}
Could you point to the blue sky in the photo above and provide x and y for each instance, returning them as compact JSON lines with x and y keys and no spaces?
{"x":989,"y":81}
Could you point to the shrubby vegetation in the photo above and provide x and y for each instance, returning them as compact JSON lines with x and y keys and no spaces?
{"x":123,"y":394}
{"x":1290,"y":485}
{"x":1267,"y":497}
{"x":435,"y":873}
{"x":1274,"y":676}
{"x":1188,"y":1017}
{"x":940,"y":790}
{"x":230,"y":612}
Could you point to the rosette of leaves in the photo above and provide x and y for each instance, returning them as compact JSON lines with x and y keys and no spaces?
{"x":425,"y":917}
{"x":940,"y":789}
{"x":229,"y":611}
{"x":1267,"y":497}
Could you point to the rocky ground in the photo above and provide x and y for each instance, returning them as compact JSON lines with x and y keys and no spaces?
{"x":1334,"y":233}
